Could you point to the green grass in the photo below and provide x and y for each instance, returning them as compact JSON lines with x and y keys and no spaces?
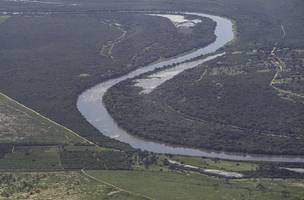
{"x":217,"y":164}
{"x":29,"y":158}
{"x":170,"y":185}
{"x":50,"y":158}
{"x":86,"y":148}
{"x":23,"y":125}
{"x":57,"y":185}
{"x":37,"y":140}
{"x":3,"y":19}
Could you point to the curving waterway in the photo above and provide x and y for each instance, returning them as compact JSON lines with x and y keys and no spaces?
{"x":91,"y":106}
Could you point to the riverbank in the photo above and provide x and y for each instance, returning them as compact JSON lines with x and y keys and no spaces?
{"x":45,"y":71}
{"x":89,"y":104}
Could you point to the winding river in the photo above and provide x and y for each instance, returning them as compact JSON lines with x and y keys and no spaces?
{"x":90,"y":103}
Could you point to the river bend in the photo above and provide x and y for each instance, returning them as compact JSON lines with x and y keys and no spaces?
{"x":90,"y":102}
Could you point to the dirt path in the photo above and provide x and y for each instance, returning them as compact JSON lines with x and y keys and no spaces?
{"x":281,"y":66}
{"x":106,"y":49}
{"x":119,"y":189}
{"x":283,"y":31}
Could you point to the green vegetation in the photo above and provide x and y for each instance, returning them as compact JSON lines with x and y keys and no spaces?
{"x":92,"y":159}
{"x":53,"y":158}
{"x":3,"y":19}
{"x":134,"y":185}
{"x":233,"y":107}
{"x":216,"y":164}
{"x":240,"y":105}
{"x":35,"y":50}
{"x":170,"y":185}
{"x":30,"y":158}
{"x":50,"y":158}
{"x":22,"y":125}
{"x":30,"y":141}
{"x":48,"y":60}
{"x":290,"y":73}
{"x":58,"y":185}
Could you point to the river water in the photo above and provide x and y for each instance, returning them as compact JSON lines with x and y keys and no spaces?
{"x":90,"y":103}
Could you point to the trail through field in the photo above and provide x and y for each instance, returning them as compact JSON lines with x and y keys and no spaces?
{"x":281,"y":66}
{"x":106,"y":49}
{"x":118,"y":189}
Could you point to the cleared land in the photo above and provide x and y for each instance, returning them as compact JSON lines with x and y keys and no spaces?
{"x":216,"y":164}
{"x":170,"y":185}
{"x":19,"y":124}
{"x":146,"y":177}
{"x":31,"y":142}
{"x":134,"y":185}
{"x":31,"y":57}
{"x":3,"y":19}
{"x":59,"y":185}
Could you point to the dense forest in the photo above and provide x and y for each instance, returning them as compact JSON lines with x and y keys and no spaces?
{"x":48,"y":60}
{"x":226,"y":104}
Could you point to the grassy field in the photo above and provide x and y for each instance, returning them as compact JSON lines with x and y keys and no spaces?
{"x":216,"y":164}
{"x":125,"y":185}
{"x":58,"y":185}
{"x":31,"y":142}
{"x":170,"y":185}
{"x":65,"y":154}
{"x":22,"y":125}
{"x":47,"y":61}
{"x":3,"y":18}
{"x":28,"y":158}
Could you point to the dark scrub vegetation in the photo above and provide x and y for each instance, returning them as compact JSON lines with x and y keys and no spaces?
{"x":259,"y":25}
{"x":95,"y":160}
{"x":4,"y":149}
{"x":48,"y":60}
{"x":259,"y":22}
{"x":232,"y":108}
{"x":291,"y":76}
{"x":54,"y":158}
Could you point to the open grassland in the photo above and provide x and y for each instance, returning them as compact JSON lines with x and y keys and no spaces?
{"x":46,"y":61}
{"x":58,"y":185}
{"x":171,"y":185}
{"x":30,"y":141}
{"x":31,"y":158}
{"x":54,"y":158}
{"x":19,"y":124}
{"x":3,"y":19}
{"x":216,"y":164}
